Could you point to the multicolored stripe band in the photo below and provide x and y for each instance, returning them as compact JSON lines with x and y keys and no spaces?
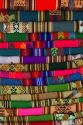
{"x":39,"y":74}
{"x":43,"y":36}
{"x":15,"y":66}
{"x":41,"y":4}
{"x":63,"y":122}
{"x":57,"y":15}
{"x":40,"y":89}
{"x":39,"y":54}
{"x":43,"y":96}
{"x":29,"y":4}
{"x":51,"y":117}
{"x":41,"y":62}
{"x":76,"y":59}
{"x":29,"y":27}
{"x":42,"y":110}
{"x":38,"y":104}
{"x":42,"y":44}
{"x":42,"y":81}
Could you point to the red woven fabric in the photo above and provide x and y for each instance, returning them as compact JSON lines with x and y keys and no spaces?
{"x":41,"y":123}
{"x":45,"y":5}
{"x":1,"y":4}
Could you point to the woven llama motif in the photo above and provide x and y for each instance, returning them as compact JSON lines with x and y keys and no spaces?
{"x":19,"y":3}
{"x":78,"y":4}
{"x":64,"y":3}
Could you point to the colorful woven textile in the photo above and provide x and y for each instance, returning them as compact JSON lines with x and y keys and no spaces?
{"x":29,"y":27}
{"x":41,"y":4}
{"x":41,"y":62}
{"x":24,"y":16}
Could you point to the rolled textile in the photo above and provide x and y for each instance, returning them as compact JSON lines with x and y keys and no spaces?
{"x":40,"y":54}
{"x":37,"y":104}
{"x":43,"y":96}
{"x":42,"y":110}
{"x":17,"y":67}
{"x":63,"y":122}
{"x":29,"y":27}
{"x":59,"y":117}
{"x":39,"y":74}
{"x":42,"y":44}
{"x":28,"y":123}
{"x":25,"y":16}
{"x":29,"y":5}
{"x":67,"y":60}
{"x":42,"y":81}
{"x":43,"y":36}
{"x":40,"y":89}
{"x":41,"y":103}
{"x":40,"y":5}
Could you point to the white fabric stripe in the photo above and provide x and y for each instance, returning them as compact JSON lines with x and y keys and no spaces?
{"x":79,"y":56}
{"x":9,"y":60}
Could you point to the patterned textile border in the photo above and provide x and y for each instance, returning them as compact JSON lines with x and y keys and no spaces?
{"x":42,"y":110}
{"x":60,"y":103}
{"x":25,"y":16}
{"x":40,"y":54}
{"x":41,"y":4}
{"x":63,"y":122}
{"x":44,"y":36}
{"x":43,"y":96}
{"x":40,"y":89}
{"x":59,"y":117}
{"x":37,"y":67}
{"x":76,"y":59}
{"x":41,"y":81}
{"x":42,"y":44}
{"x":29,"y":27}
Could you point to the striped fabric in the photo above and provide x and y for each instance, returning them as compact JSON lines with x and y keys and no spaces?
{"x":41,"y":62}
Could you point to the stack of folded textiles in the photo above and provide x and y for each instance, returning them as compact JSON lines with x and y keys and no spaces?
{"x":41,"y":62}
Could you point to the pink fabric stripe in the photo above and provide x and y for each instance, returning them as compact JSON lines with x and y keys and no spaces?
{"x":57,"y":44}
{"x":4,"y":45}
{"x":16,"y":75}
{"x":81,"y":70}
{"x":65,"y":72}
{"x":28,"y":75}
{"x":66,"y":43}
{"x":31,"y":111}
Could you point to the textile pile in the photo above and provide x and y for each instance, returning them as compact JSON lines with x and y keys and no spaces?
{"x":41,"y":62}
